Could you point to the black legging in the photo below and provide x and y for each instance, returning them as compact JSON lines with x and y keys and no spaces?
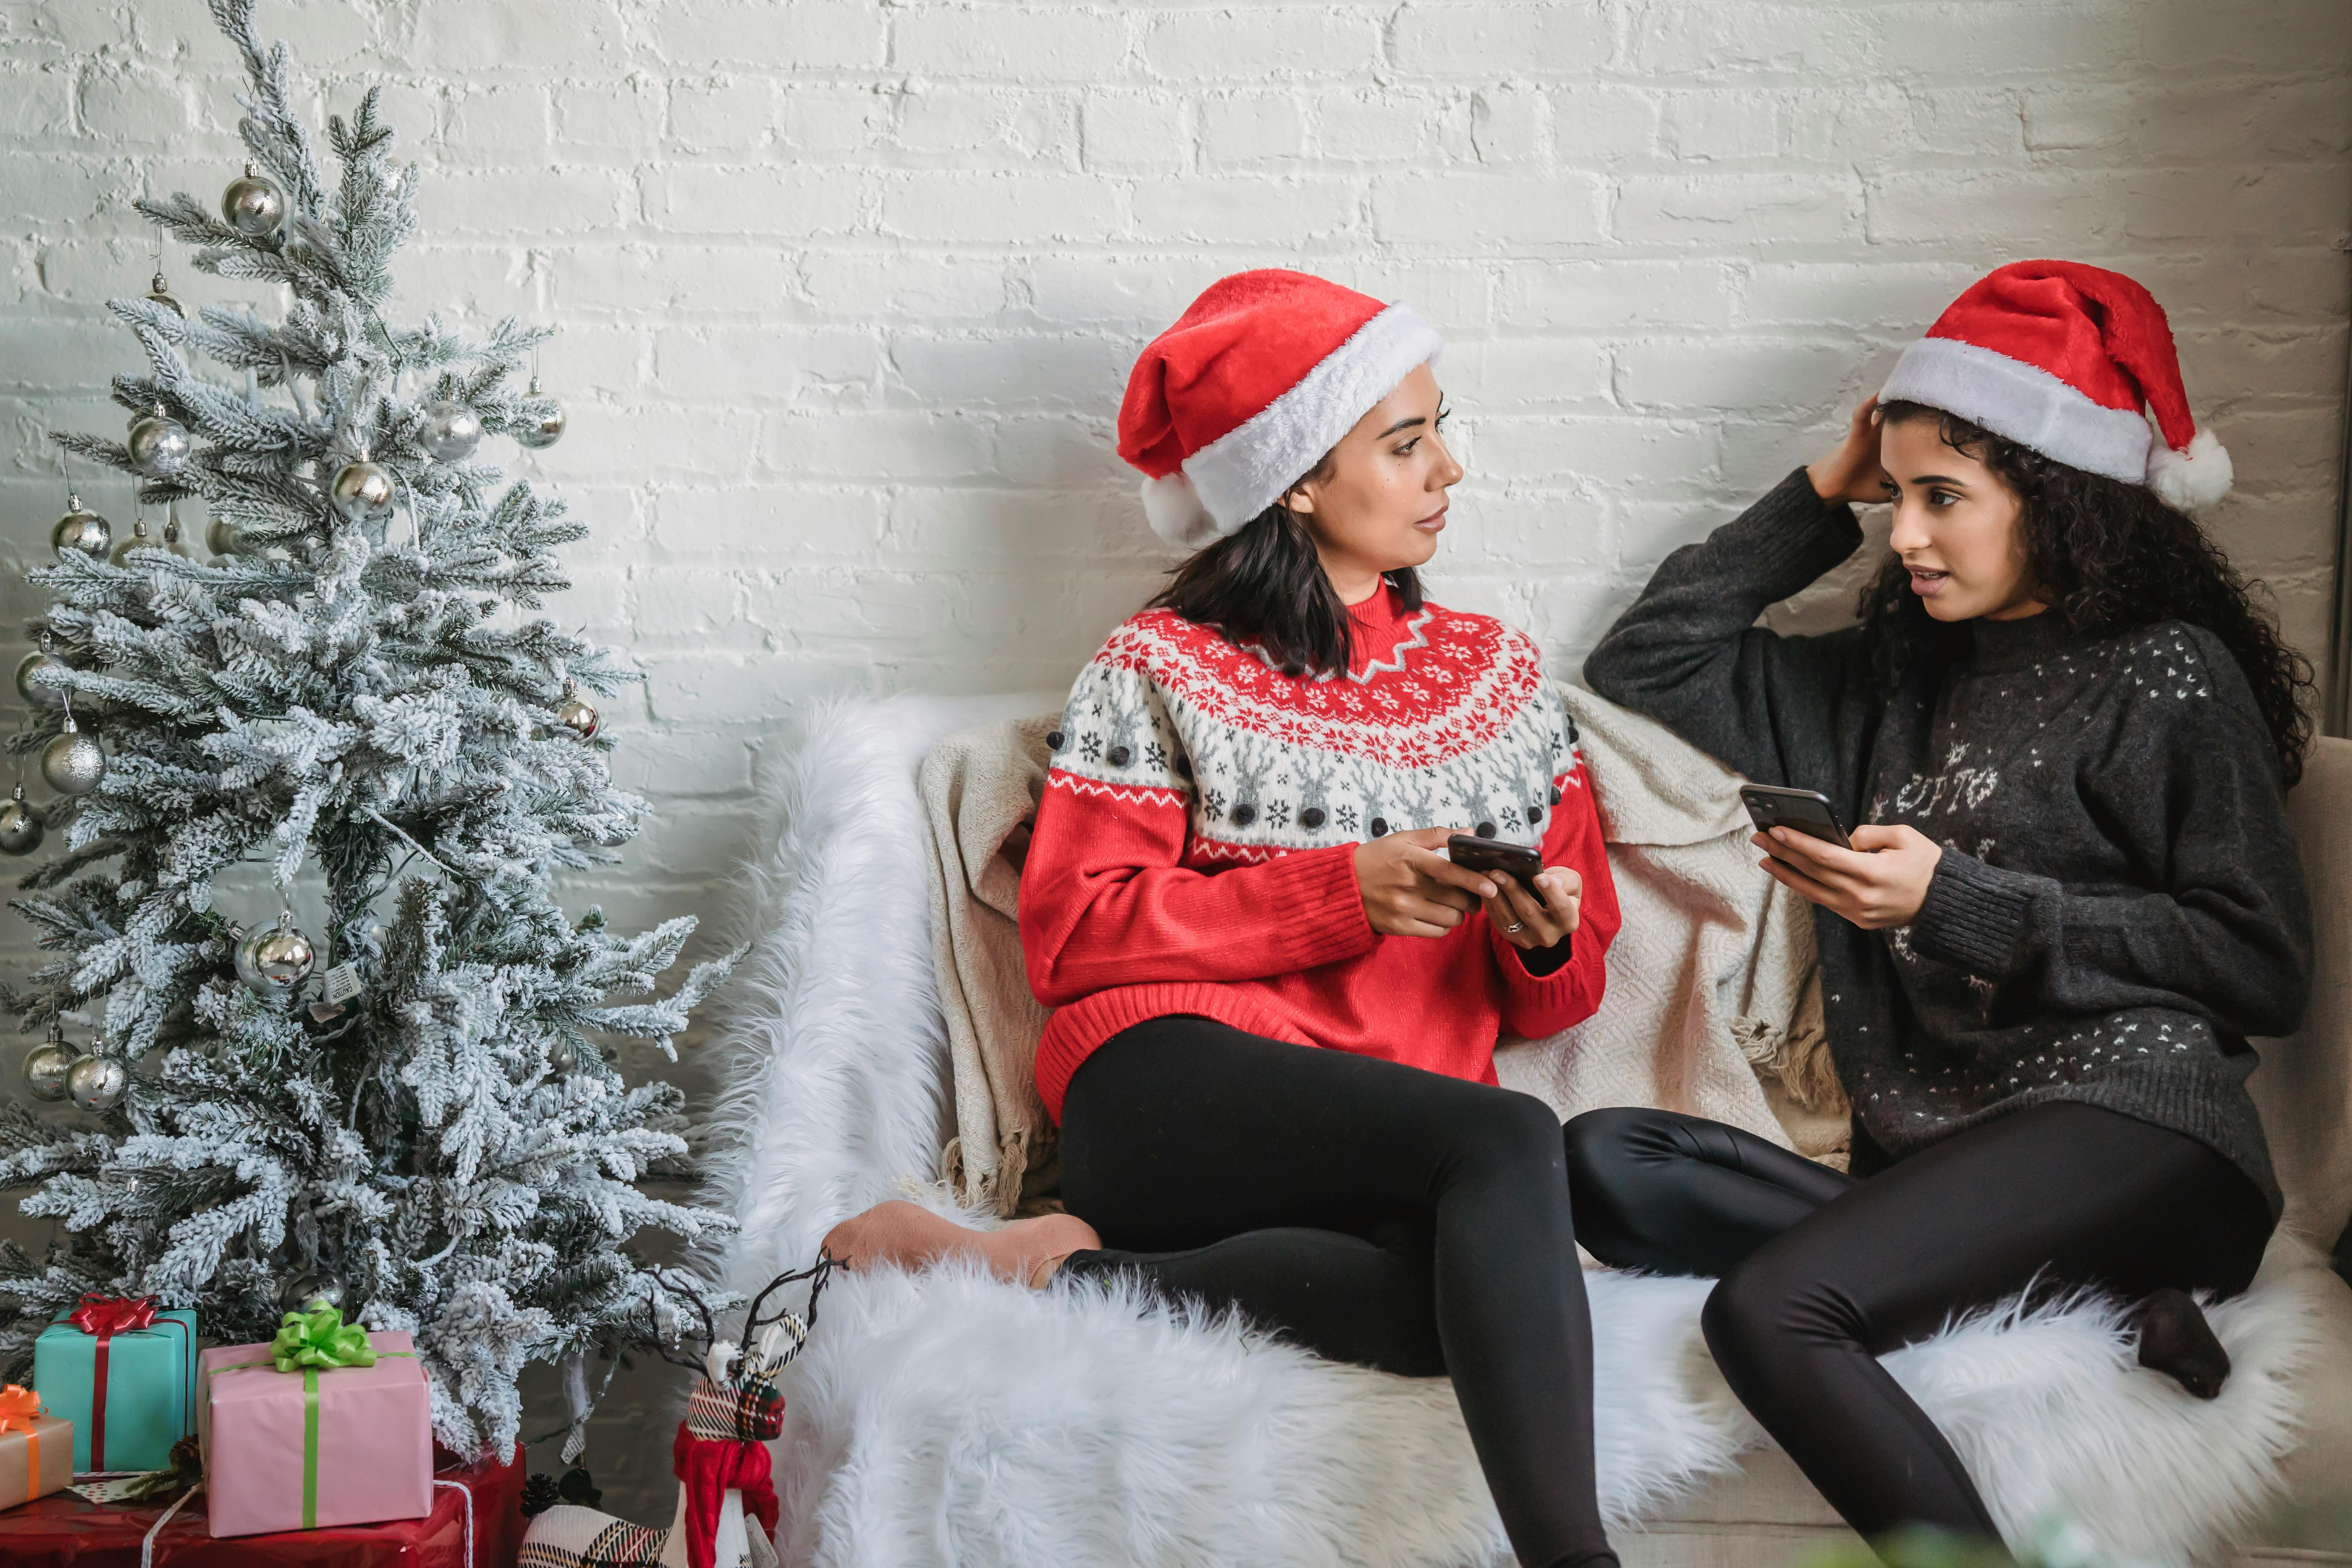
{"x":1822,"y":1273}
{"x":1376,"y":1214}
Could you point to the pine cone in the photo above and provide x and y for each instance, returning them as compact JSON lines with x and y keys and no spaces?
{"x":538,"y":1495}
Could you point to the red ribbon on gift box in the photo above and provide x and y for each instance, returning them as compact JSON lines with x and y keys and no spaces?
{"x":107,"y":1316}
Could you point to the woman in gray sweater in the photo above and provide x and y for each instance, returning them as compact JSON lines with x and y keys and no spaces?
{"x":2066,"y":730}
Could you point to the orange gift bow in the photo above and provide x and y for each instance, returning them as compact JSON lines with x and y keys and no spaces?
{"x":18,"y":1406}
{"x":105,"y":1315}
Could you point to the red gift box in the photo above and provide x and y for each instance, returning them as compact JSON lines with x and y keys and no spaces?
{"x":62,"y":1530}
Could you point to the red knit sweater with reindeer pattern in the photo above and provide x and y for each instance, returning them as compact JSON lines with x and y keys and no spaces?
{"x":1194,"y":850}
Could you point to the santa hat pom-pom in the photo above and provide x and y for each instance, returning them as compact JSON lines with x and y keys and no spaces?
{"x":2190,"y":481}
{"x":1174,"y":510}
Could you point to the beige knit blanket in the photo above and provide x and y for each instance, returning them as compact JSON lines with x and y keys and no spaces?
{"x":1713,"y":1004}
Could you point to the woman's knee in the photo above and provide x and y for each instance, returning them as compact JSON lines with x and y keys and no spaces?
{"x":1511,"y":1135}
{"x":1766,"y":1309}
{"x":1606,"y":1148}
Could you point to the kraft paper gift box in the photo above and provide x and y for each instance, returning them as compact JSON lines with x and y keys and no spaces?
{"x":36,"y":1448}
{"x":130,"y":1392}
{"x":313,"y":1446}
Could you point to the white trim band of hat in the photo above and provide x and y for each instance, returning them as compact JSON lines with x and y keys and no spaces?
{"x":1241,"y":473}
{"x":2024,"y":403}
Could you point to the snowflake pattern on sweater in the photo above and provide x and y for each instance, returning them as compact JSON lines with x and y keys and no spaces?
{"x":1452,"y":724}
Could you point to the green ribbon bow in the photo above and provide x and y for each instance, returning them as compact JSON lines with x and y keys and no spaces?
{"x":319,"y":1338}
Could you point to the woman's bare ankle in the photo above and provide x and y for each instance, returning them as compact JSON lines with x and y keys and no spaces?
{"x":907,"y":1236}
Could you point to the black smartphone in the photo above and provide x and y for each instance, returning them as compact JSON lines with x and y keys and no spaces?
{"x":1806,"y":811}
{"x":1519,"y":860}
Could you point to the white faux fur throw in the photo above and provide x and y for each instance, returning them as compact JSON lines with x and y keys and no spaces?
{"x":947,"y":1420}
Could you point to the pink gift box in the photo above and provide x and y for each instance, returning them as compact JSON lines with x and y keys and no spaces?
{"x":372,"y":1427}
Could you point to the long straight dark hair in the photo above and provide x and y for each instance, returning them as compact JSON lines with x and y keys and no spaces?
{"x":1263,"y":584}
{"x":2108,"y":557}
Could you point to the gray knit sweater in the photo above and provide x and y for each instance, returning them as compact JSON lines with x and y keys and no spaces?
{"x":2119,"y":902}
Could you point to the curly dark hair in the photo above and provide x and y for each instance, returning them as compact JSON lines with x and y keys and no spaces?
{"x":1263,"y":584}
{"x":2107,"y":557}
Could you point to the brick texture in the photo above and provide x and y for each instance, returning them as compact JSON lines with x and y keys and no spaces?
{"x":847,"y":289}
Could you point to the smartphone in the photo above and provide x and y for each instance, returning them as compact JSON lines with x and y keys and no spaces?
{"x":1804,"y":811}
{"x":1519,"y":860}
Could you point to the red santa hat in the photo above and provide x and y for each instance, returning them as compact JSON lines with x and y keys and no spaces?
{"x":2062,"y":357}
{"x":1260,"y":377}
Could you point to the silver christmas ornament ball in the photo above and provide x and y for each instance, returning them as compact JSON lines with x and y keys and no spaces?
{"x":160,"y":445}
{"x":157,"y":294}
{"x":563,"y":1056}
{"x":543,"y":429}
{"x":304,"y":1292}
{"x":74,"y":762}
{"x":173,"y":540}
{"x":253,"y":204}
{"x":35,"y":693}
{"x":274,"y":960}
{"x":220,"y":537}
{"x":363,"y":493}
{"x":46,"y":1067}
{"x":451,"y":432}
{"x":96,"y":1084}
{"x":80,"y":530}
{"x":21,"y":827}
{"x":579,"y":718}
{"x":137,"y":540}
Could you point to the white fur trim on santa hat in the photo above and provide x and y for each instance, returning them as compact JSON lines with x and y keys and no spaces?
{"x":1173,"y":509}
{"x":2190,"y":481}
{"x":2024,"y":403}
{"x":1246,"y":470}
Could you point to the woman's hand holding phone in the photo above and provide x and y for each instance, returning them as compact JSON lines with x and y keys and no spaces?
{"x":1882,"y":882}
{"x":1409,"y":890}
{"x":1540,"y":922}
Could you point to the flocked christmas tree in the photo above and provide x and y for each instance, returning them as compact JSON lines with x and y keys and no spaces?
{"x":417,"y":1120}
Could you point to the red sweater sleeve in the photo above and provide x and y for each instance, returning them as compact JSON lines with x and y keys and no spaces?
{"x":1104,"y":901}
{"x":1534,"y":1007}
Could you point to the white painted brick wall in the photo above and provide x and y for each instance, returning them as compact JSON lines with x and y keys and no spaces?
{"x":848,"y":288}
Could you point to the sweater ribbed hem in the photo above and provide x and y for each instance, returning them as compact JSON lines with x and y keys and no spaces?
{"x":1974,"y":914}
{"x":1794,"y":535}
{"x":1321,"y":911}
{"x":1076,"y":1032}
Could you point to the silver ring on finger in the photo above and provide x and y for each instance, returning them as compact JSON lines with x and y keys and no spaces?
{"x":1515,"y":928}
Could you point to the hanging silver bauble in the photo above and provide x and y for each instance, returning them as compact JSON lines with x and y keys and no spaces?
{"x":543,"y":429}
{"x":220,"y":537}
{"x":308,"y":1290}
{"x":137,"y":540}
{"x":96,"y":1084}
{"x":563,"y":1056}
{"x":45,"y":1066}
{"x":253,"y":204}
{"x":274,"y":960}
{"x":173,"y":541}
{"x":157,"y":294}
{"x":21,"y":827}
{"x":80,"y":530}
{"x":577,"y":716}
{"x":451,"y":431}
{"x":160,"y":445}
{"x":35,"y":693}
{"x":73,"y":762}
{"x":363,"y":493}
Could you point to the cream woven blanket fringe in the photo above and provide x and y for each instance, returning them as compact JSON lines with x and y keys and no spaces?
{"x":1713,"y":1005}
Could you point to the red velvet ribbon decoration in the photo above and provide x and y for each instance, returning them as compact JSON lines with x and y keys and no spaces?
{"x":105,"y":1317}
{"x":709,"y":1470}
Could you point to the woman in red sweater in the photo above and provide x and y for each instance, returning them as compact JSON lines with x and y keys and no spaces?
{"x":1276,"y":1000}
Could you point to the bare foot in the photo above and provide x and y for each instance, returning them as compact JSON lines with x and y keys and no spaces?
{"x":911,"y":1237}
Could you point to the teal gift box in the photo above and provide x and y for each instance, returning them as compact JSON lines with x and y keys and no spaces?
{"x":130,"y":1393}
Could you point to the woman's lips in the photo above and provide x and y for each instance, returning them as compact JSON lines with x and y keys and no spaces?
{"x":1435,"y":522}
{"x":1927,"y":584}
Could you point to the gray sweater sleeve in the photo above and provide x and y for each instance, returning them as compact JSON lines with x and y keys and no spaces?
{"x":2190,"y":789}
{"x":1689,"y":654}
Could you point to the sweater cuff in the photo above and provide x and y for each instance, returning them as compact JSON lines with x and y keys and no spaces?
{"x":1974,"y":914}
{"x":1795,"y":536}
{"x":1318,"y":913}
{"x":1545,"y":961}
